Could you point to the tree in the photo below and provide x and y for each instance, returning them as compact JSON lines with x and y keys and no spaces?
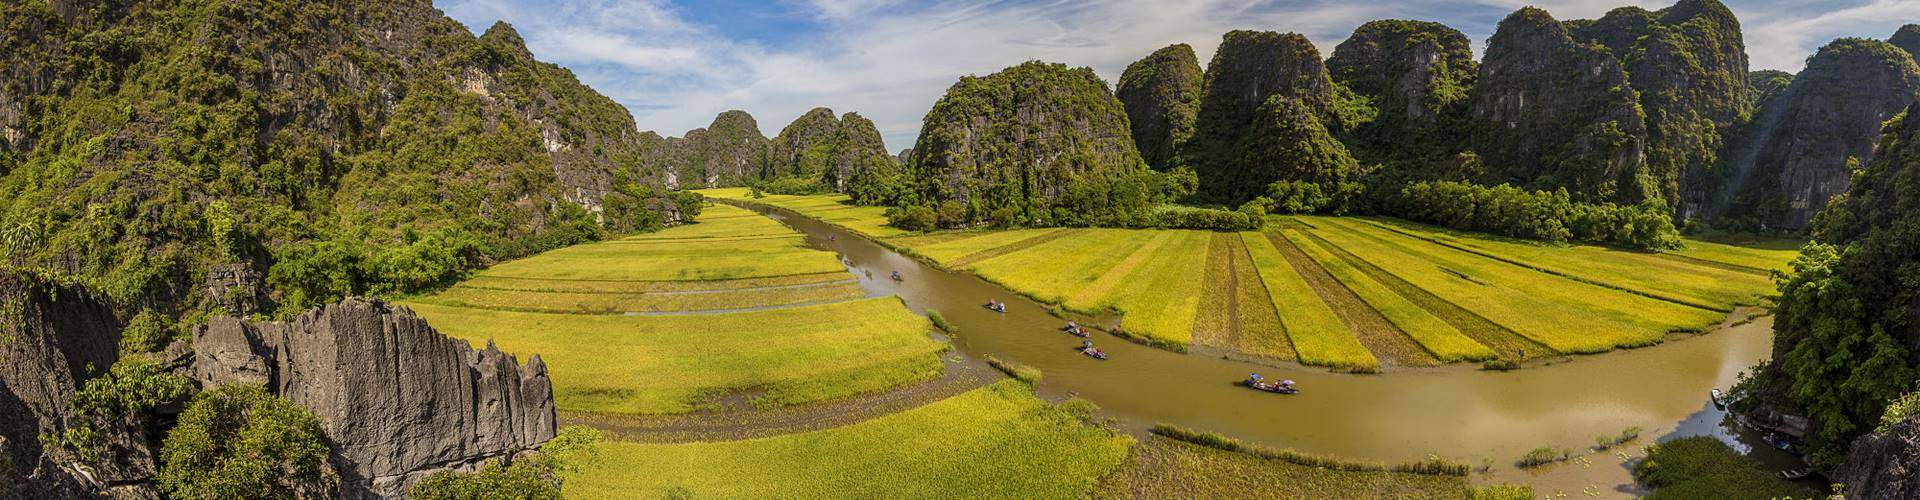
{"x":238,"y":441}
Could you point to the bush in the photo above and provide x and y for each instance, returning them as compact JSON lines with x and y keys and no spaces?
{"x":941,"y":322}
{"x":1703,"y":467}
{"x":1178,"y":217}
{"x":912,"y":218}
{"x":1542,"y":456}
{"x":1302,"y":197}
{"x":534,"y":477}
{"x":1539,"y":215}
{"x":237,"y":441}
{"x":148,"y":331}
{"x":1898,"y":411}
{"x":116,"y":400}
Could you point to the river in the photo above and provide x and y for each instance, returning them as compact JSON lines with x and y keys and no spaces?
{"x":1459,"y":412}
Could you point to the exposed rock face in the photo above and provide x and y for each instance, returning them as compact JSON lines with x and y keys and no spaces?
{"x":1418,"y":75}
{"x":52,"y":339}
{"x":1801,"y":146}
{"x":1688,"y":63}
{"x":1019,"y":135}
{"x":820,"y":146}
{"x":1249,"y":68}
{"x":398,"y":399}
{"x":1884,"y":464}
{"x":729,"y":152}
{"x":1907,"y":38}
{"x":1161,"y":94}
{"x":1551,"y":113}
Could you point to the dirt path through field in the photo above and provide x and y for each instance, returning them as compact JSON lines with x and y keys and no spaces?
{"x":961,"y":374}
{"x":1217,"y":323}
{"x":1374,"y":331}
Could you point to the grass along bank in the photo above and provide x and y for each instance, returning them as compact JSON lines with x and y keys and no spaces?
{"x":995,"y":442}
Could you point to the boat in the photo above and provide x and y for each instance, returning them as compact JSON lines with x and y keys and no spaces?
{"x":1077,"y":331}
{"x":1793,"y":474}
{"x":1719,"y":401}
{"x":1260,"y":384}
{"x":1776,"y":441}
{"x":1095,"y":352}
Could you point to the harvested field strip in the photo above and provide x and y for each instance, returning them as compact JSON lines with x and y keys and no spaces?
{"x":995,"y":442}
{"x":623,"y":286}
{"x":617,"y":303}
{"x":1567,"y":315}
{"x":1161,"y":296}
{"x":681,"y":363}
{"x":1162,"y":467}
{"x":709,"y":239}
{"x":1042,"y":236}
{"x":1217,"y":324}
{"x":1318,"y":335}
{"x":1483,"y":331}
{"x":1438,"y":337}
{"x":1373,"y":330}
{"x":948,"y":252}
{"x":1638,"y":273}
{"x":1260,"y":332}
{"x":1053,"y":271}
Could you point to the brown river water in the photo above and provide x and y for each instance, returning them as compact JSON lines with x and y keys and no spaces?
{"x":1458,"y":412}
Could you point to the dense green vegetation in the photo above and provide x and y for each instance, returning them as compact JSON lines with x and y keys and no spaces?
{"x":1417,"y":74}
{"x":1703,"y":467}
{"x":1537,"y":215}
{"x":1261,"y":83}
{"x":1847,"y":314}
{"x":238,"y":441}
{"x":820,"y":153}
{"x":1161,"y":93}
{"x":538,"y":476}
{"x":163,"y":141}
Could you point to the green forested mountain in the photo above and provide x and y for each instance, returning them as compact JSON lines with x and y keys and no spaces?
{"x":1037,"y":143}
{"x":1847,"y":336}
{"x":819,"y":150}
{"x":1550,"y":112}
{"x":1248,"y":70}
{"x":241,"y":155}
{"x":1798,"y":151}
{"x":1688,"y":64}
{"x":1161,"y":94}
{"x":1417,"y":74}
{"x":729,"y":152}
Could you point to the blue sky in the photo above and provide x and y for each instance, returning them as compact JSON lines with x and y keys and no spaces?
{"x":677,"y":63}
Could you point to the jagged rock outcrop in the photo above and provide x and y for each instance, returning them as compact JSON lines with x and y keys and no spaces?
{"x":729,"y":152}
{"x":820,"y":146}
{"x":1550,"y":112}
{"x":1688,"y":64}
{"x":1016,"y":140}
{"x":1765,"y":85}
{"x":1884,"y":465}
{"x":1800,"y":148}
{"x":52,"y":339}
{"x":1907,"y":38}
{"x":1248,"y":69}
{"x":1161,"y":94}
{"x":361,"y":121}
{"x":398,"y":399}
{"x":1418,"y":75}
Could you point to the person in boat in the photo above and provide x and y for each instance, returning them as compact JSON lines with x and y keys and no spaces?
{"x":1253,"y":380}
{"x":896,"y":275}
{"x":1086,"y":345}
{"x":1073,"y":328}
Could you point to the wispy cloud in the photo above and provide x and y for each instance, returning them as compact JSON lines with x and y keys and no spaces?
{"x":891,"y":59}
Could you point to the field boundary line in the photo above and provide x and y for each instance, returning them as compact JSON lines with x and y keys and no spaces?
{"x":598,"y":280}
{"x":1728,"y":266}
{"x":1367,"y":325}
{"x":848,"y":281}
{"x":1485,"y":331}
{"x":1551,"y":272}
{"x":1030,"y":242}
{"x":701,"y":312}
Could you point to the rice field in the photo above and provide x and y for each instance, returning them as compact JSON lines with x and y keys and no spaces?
{"x":708,"y":250}
{"x":686,"y":362}
{"x":994,"y":442}
{"x":1168,"y":468}
{"x":479,"y":296}
{"x":1318,"y":335}
{"x":1439,"y":338}
{"x":834,"y":209}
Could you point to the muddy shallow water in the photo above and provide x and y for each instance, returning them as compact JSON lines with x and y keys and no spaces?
{"x":1458,"y":412}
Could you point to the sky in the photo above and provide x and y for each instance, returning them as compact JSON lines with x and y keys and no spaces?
{"x":677,"y":63}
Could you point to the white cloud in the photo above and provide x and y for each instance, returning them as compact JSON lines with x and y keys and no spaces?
{"x":1784,"y":41}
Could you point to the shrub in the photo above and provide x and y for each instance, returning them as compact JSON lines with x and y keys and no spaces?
{"x":1604,"y":443}
{"x":1539,"y":215}
{"x":535,"y":477}
{"x":148,"y":331}
{"x":1898,"y":411}
{"x":912,"y":218}
{"x":132,"y":387}
{"x":941,"y":322}
{"x":1303,"y":197}
{"x":1542,"y":456}
{"x":1703,"y":467}
{"x":237,"y":441}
